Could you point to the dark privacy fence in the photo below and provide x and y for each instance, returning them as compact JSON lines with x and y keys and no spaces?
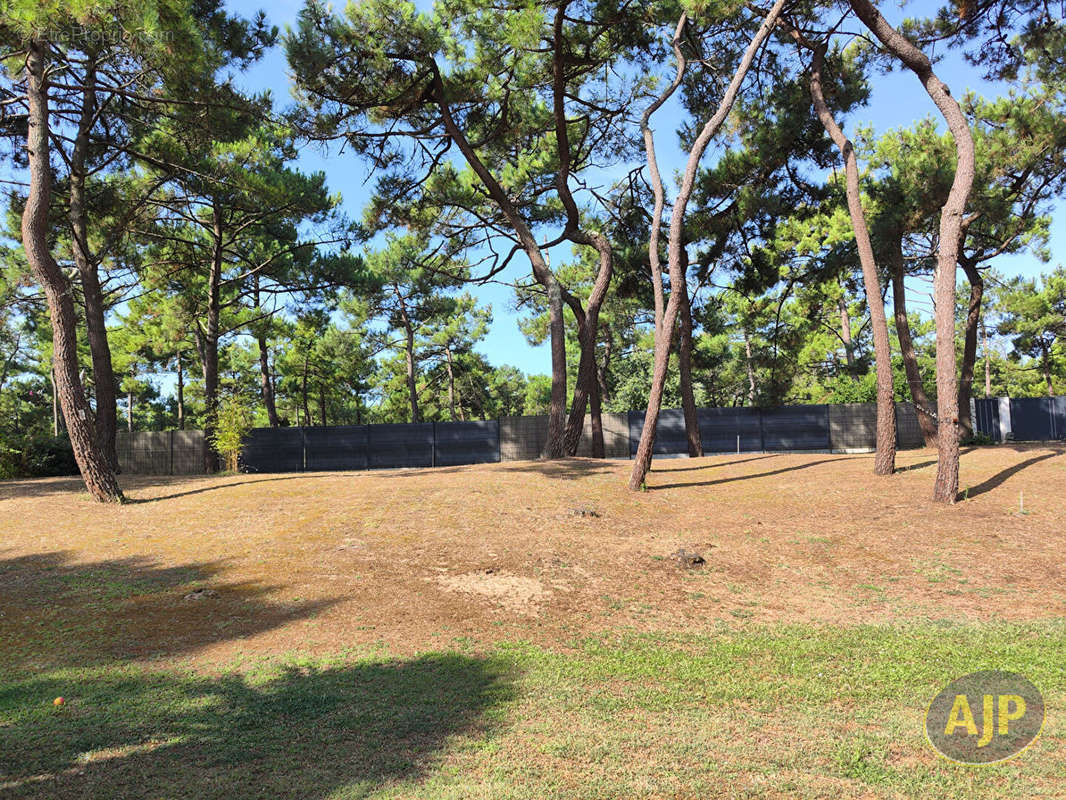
{"x":1022,"y":419}
{"x":426,"y":444}
{"x":838,"y":428}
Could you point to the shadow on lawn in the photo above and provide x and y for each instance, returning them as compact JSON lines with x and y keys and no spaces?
{"x":56,"y":614}
{"x":218,"y":486}
{"x":307,"y":733}
{"x":750,"y":477}
{"x":1003,"y":476}
{"x":716,"y":464}
{"x":566,"y":469}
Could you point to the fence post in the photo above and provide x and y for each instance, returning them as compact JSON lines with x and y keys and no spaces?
{"x":170,"y":471}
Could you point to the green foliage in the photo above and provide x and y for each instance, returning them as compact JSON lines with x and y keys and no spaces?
{"x":232,"y":424}
{"x":36,"y":455}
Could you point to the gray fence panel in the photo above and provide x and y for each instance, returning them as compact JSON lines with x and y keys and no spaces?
{"x":1058,"y":420}
{"x":986,"y":412}
{"x":1033,"y":419}
{"x":853,"y":426}
{"x":401,"y":445}
{"x":908,"y":431}
{"x":670,"y":437}
{"x":615,"y":435}
{"x":273,"y":450}
{"x":467,"y":443}
{"x":523,"y":438}
{"x":337,"y":447}
{"x":796,"y":428}
{"x":730,"y":430}
{"x":150,"y":452}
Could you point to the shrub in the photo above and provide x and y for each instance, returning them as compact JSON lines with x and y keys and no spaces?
{"x":233,"y":422}
{"x":37,"y":455}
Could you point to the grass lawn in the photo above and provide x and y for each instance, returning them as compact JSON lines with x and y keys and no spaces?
{"x":523,"y":630}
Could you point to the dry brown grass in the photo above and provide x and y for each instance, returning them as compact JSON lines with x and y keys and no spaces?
{"x":414,"y":559}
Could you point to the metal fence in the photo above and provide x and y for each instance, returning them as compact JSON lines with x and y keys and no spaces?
{"x":1021,"y":419}
{"x":835,"y":428}
{"x":161,"y":452}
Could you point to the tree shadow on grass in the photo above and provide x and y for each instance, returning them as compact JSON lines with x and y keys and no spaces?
{"x":55,"y":613}
{"x":753,"y":476}
{"x":1003,"y":476}
{"x":716,"y":464}
{"x":567,"y":469}
{"x":299,"y":732}
{"x":15,"y":488}
{"x":219,"y":486}
{"x":932,"y":463}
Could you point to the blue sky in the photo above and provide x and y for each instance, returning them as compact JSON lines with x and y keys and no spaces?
{"x":897,"y":101}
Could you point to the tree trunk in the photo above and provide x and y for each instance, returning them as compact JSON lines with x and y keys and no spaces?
{"x":210,"y":342}
{"x":266,"y":384}
{"x":885,"y":459}
{"x":684,"y":367}
{"x":451,"y":382}
{"x":969,"y":346}
{"x":664,"y":339}
{"x":181,"y":394}
{"x":588,"y":332}
{"x":322,"y":407}
{"x":93,"y":298}
{"x":585,"y":383}
{"x":752,"y":388}
{"x":97,"y":473}
{"x":946,"y":488}
{"x":129,"y":411}
{"x":543,"y":275}
{"x":919,"y":398}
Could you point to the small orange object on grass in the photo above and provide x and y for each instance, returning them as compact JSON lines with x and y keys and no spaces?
{"x":59,"y":701}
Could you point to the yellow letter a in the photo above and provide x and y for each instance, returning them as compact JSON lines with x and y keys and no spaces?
{"x":961,"y":717}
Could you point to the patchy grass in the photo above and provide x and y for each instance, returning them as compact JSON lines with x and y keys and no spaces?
{"x":462,"y":633}
{"x":780,"y":711}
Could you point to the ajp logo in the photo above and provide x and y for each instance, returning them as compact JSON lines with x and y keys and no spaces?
{"x":985,"y":717}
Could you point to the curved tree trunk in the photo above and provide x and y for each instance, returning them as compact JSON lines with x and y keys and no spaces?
{"x":266,"y":385}
{"x":588,"y":330}
{"x":543,"y":275}
{"x":92,"y":295}
{"x":664,"y":337}
{"x":946,"y":488}
{"x":97,"y":473}
{"x":885,"y":459}
{"x":920,"y":400}
{"x":210,"y":337}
